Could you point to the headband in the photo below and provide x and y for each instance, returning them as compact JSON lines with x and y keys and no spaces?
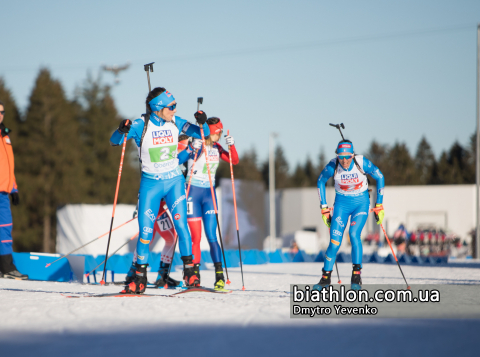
{"x":161,"y":101}
{"x":345,"y":147}
{"x":215,"y":128}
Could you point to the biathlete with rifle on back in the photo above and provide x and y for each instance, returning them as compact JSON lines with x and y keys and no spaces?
{"x":200,"y":204}
{"x":156,"y":136}
{"x":352,"y":200}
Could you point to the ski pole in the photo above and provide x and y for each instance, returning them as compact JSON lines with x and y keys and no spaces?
{"x":103,"y":235}
{"x":375,"y":210}
{"x":336,"y":267}
{"x":235,"y":207}
{"x":115,"y":203}
{"x":199,"y":101}
{"x":213,"y":199}
{"x":115,"y":252}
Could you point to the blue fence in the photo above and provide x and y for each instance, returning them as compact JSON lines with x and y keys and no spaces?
{"x":35,"y":265}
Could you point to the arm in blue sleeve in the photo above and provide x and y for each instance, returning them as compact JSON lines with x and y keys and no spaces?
{"x":375,"y":172}
{"x":135,"y":133}
{"x":326,"y":173}
{"x":185,"y":155}
{"x":191,"y":129}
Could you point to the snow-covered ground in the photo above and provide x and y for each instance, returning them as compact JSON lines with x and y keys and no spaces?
{"x":36,"y":320}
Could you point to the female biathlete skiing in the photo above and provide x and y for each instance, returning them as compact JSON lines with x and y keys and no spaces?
{"x":200,"y":203}
{"x":161,"y":177}
{"x":351,"y":200}
{"x":163,"y":228}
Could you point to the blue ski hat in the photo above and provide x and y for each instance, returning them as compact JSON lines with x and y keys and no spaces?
{"x":161,"y":101}
{"x":344,"y":146}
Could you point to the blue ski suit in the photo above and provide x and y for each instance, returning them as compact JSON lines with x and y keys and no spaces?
{"x":161,"y":177}
{"x":351,"y":200}
{"x":200,"y":203}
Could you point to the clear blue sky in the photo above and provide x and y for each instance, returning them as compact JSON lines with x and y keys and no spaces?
{"x":390,"y":71}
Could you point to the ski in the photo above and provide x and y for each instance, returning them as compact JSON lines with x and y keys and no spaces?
{"x":153,"y":286}
{"x":202,"y":289}
{"x":111,"y":295}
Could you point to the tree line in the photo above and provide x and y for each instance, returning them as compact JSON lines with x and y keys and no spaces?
{"x":63,"y":156}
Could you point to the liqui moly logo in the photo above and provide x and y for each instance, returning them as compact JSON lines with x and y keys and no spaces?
{"x":213,"y":155}
{"x":349,"y":178}
{"x":162,"y":137}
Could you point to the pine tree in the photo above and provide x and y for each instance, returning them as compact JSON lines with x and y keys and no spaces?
{"x":377,"y":154}
{"x":311,"y":173}
{"x":322,"y":163}
{"x":299,"y":177}
{"x":442,"y":173}
{"x":424,"y":162}
{"x":458,"y":159}
{"x":399,"y":166}
{"x":322,"y":160}
{"x":471,"y":159}
{"x":246,"y":169}
{"x":49,"y":162}
{"x":98,"y":120}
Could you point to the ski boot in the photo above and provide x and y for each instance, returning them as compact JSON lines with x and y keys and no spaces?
{"x":219,"y":278}
{"x":163,"y":279}
{"x":139,"y":283}
{"x":189,"y":276}
{"x":15,"y":275}
{"x":325,"y":281}
{"x":356,"y":282}
{"x":130,"y":275}
{"x":196,"y":269}
{"x":9,"y":269}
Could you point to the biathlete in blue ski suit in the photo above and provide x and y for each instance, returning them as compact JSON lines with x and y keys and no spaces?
{"x":199,"y":202}
{"x":351,"y":200}
{"x":161,"y":178}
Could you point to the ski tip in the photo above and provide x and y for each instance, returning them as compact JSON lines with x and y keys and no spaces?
{"x":102,"y":282}
{"x":408,"y":287}
{"x":46,"y":266}
{"x":229,"y":282}
{"x":166,"y":285}
{"x":339,"y":281}
{"x":243,"y":288}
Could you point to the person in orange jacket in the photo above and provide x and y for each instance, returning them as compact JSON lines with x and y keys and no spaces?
{"x":8,"y":186}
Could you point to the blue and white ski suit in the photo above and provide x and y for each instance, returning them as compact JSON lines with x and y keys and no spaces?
{"x":161,"y":177}
{"x":351,"y":200}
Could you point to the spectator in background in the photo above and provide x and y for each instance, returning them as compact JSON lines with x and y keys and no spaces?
{"x":8,"y":186}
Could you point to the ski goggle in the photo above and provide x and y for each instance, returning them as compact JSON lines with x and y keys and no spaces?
{"x":345,"y":157}
{"x":172,"y":107}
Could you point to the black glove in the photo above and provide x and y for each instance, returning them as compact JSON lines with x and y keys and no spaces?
{"x":201,"y":117}
{"x":15,"y":198}
{"x":124,"y":126}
